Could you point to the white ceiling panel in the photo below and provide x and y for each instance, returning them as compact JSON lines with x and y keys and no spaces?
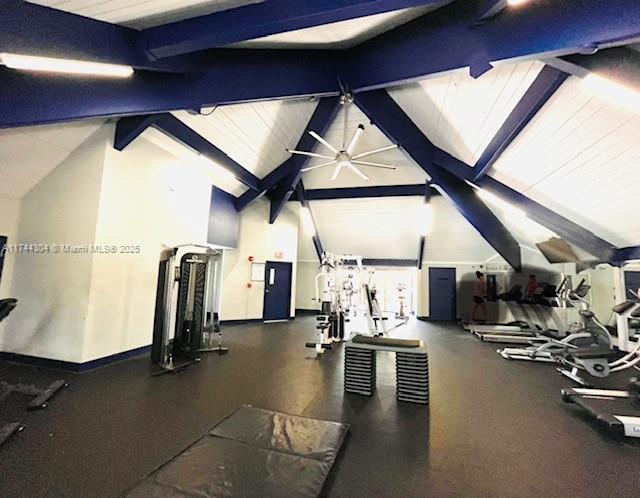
{"x":27,"y":155}
{"x":257,"y":134}
{"x":219,"y":177}
{"x":142,"y":14}
{"x":372,"y":227}
{"x":407,"y":172}
{"x":460,"y":114}
{"x":580,"y":156}
{"x":338,"y":35}
{"x":452,"y":238}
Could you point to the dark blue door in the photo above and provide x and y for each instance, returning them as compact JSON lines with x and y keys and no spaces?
{"x":277,"y":290}
{"x":442,"y":293}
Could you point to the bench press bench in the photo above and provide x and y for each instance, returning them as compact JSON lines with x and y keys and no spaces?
{"x":412,"y":367}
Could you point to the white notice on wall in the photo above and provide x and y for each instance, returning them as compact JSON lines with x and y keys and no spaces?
{"x":257,"y":272}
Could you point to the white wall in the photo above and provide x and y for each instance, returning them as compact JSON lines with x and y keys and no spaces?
{"x":149,"y":199}
{"x":305,"y":288}
{"x":262,"y":241}
{"x":53,"y":289}
{"x":9,"y":214}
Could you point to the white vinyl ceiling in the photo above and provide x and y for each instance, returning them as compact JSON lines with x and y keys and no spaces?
{"x":376,"y":228}
{"x":142,"y":14}
{"x":256,"y":135}
{"x":460,"y":114}
{"x":29,"y":154}
{"x":580,"y":156}
{"x":407,"y":172}
{"x":390,"y":228}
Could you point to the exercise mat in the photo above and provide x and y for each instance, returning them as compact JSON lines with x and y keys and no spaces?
{"x":252,"y":452}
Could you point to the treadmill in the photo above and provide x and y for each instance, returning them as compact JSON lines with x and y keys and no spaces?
{"x":519,"y":326}
{"x":618,"y":411}
{"x":537,"y":320}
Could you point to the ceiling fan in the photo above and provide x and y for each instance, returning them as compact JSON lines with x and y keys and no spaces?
{"x":344,"y":157}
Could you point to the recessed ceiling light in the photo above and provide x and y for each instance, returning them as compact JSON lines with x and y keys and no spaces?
{"x":65,"y":66}
{"x":516,"y":2}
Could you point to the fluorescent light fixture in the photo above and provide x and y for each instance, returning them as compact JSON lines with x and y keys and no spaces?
{"x":505,"y":207}
{"x":65,"y":66}
{"x":427,"y":219}
{"x":515,"y":3}
{"x":307,"y":221}
{"x":614,"y":92}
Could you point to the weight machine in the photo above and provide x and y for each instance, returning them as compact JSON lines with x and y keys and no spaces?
{"x":333,"y":312}
{"x":187,"y":320}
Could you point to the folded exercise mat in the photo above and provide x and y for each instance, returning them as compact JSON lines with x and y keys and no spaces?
{"x":252,"y":452}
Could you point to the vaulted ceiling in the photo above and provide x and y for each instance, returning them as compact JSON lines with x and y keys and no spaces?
{"x":467,"y":74}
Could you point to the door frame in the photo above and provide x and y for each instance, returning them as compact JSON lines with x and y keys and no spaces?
{"x":455,"y":294}
{"x":264,"y":293}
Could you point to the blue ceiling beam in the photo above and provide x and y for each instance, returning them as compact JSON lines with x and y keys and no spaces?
{"x":564,"y":228}
{"x":626,"y":254}
{"x":228,"y":77}
{"x":172,"y":126}
{"x":322,"y":117}
{"x":128,"y":129}
{"x":396,"y":125}
{"x":261,"y":19}
{"x":31,"y":29}
{"x":323,"y":194}
{"x":317,"y":243}
{"x":540,"y":91}
{"x":449,"y":38}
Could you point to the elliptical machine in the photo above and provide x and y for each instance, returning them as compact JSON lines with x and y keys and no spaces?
{"x":187,"y":307}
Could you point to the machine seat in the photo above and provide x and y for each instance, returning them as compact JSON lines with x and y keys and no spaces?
{"x":6,"y":307}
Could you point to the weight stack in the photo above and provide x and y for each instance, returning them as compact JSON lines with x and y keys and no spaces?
{"x":359,"y":371}
{"x":412,"y":378}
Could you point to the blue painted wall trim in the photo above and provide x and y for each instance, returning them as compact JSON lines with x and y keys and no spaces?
{"x":224,"y":220}
{"x":540,"y":91}
{"x":71,"y":366}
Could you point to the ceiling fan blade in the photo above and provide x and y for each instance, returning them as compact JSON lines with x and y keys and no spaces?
{"x":358,"y":172}
{"x":318,"y":166}
{"x":375,"y":151}
{"x":310,"y":154}
{"x":374,"y":165}
{"x":336,"y":172}
{"x":323,"y":142}
{"x":357,"y":135}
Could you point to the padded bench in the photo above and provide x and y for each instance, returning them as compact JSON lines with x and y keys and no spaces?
{"x":412,"y":367}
